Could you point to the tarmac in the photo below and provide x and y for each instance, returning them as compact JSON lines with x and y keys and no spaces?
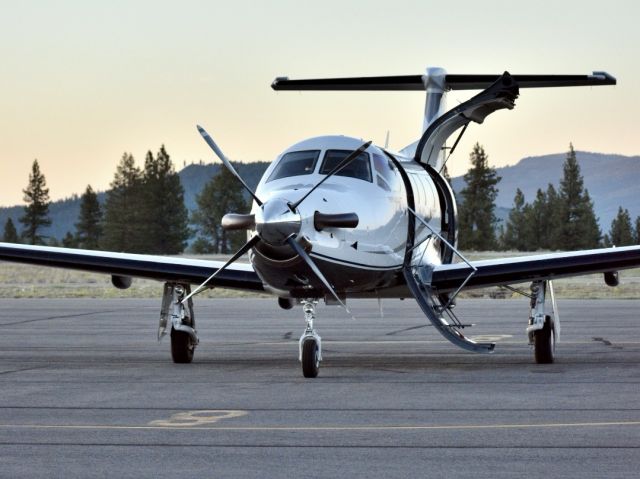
{"x":87,"y":391}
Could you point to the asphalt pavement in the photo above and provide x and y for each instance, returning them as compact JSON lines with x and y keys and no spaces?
{"x":87,"y":391}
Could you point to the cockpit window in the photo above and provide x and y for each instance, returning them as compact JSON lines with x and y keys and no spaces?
{"x":358,"y":168}
{"x":295,"y":163}
{"x":385,"y":171}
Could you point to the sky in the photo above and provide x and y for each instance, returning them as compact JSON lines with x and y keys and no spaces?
{"x":82,"y":82}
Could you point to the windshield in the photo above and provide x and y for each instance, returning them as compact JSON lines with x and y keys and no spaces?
{"x":358,"y":168}
{"x":295,"y":163}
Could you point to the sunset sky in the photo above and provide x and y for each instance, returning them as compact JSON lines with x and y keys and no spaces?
{"x":81,"y":82}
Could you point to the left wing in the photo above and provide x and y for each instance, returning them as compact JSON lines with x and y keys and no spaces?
{"x":496,"y":272}
{"x":162,"y":268}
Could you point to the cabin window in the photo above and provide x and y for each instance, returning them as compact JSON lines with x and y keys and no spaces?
{"x":295,"y":163}
{"x":358,"y":168}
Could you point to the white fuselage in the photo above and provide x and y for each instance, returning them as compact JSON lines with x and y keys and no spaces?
{"x":364,"y":260}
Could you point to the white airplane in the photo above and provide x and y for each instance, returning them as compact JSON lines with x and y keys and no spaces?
{"x":334,"y":218}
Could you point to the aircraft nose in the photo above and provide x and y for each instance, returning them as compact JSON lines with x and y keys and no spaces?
{"x":275,"y":221}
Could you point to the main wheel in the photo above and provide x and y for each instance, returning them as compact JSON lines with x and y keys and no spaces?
{"x":543,"y":343}
{"x":310,"y":358}
{"x":182,"y":347}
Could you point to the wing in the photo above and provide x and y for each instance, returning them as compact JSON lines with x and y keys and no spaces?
{"x":163,"y":268}
{"x":538,"y":267}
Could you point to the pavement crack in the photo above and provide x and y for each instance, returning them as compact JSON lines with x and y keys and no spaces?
{"x":393,"y":333}
{"x":11,"y":371}
{"x":51,"y":318}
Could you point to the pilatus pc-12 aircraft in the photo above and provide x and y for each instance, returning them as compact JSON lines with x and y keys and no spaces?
{"x":334,"y":218}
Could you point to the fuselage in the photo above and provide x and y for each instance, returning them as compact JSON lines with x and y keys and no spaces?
{"x":378,"y":187}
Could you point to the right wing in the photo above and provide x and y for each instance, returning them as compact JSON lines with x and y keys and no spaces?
{"x":505,"y":271}
{"x":162,"y":268}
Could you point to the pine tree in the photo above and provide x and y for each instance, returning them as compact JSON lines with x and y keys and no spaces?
{"x":637,"y":229}
{"x":517,"y":232}
{"x":551,"y":217}
{"x":477,"y":221}
{"x":36,"y":211}
{"x":166,"y":217}
{"x":221,"y":195}
{"x":578,"y":226}
{"x":123,"y":226}
{"x":89,"y":225}
{"x":621,"y":232}
{"x":69,"y":240}
{"x":10,"y":233}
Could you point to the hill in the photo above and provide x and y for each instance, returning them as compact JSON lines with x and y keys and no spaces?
{"x":612,"y":181}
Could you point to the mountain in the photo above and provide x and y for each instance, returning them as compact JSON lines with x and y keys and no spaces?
{"x":612,"y":181}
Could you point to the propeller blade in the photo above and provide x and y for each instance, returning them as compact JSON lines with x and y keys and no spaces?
{"x":235,"y":221}
{"x":247,"y":246}
{"x":307,"y":259}
{"x":354,"y":154}
{"x":226,"y":162}
{"x":341,"y":220}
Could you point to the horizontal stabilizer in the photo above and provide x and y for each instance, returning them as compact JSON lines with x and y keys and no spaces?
{"x":453,"y":82}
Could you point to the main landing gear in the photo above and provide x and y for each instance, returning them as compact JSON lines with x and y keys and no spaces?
{"x":310,"y":344}
{"x":543,"y":329}
{"x":181,"y":320}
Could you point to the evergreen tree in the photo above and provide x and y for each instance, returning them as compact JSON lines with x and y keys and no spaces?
{"x":166,"y":217}
{"x":551,"y":217}
{"x":69,"y":240}
{"x":621,"y":232}
{"x":578,"y":226}
{"x":517,"y":233}
{"x":477,"y":221}
{"x":36,"y":211}
{"x":10,"y":233}
{"x":123,"y":226}
{"x":89,"y":225}
{"x":537,"y":220}
{"x":221,"y":195}
{"x":637,"y":229}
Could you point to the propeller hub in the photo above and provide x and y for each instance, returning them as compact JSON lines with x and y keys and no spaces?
{"x":275,"y":221}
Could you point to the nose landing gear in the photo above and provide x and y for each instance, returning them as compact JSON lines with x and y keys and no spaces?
{"x":310,"y":344}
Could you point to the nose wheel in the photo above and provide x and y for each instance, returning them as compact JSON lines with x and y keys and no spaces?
{"x":310,"y":343}
{"x":310,"y":358}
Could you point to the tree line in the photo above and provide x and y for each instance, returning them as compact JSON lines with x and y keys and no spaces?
{"x":561,"y":219}
{"x":144,"y":212}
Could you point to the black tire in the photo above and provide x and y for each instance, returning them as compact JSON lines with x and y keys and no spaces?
{"x":182,"y":347}
{"x":310,"y":359}
{"x":543,"y":343}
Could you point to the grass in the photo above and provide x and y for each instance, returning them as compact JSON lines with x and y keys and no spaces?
{"x":27,"y":281}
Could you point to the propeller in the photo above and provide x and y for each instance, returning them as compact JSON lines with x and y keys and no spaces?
{"x":278,"y":221}
{"x":246,"y":247}
{"x":295,"y":246}
{"x":226,"y":162}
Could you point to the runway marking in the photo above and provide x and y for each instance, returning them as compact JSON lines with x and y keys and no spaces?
{"x":196,"y":418}
{"x":323,"y":428}
{"x":489,"y":338}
